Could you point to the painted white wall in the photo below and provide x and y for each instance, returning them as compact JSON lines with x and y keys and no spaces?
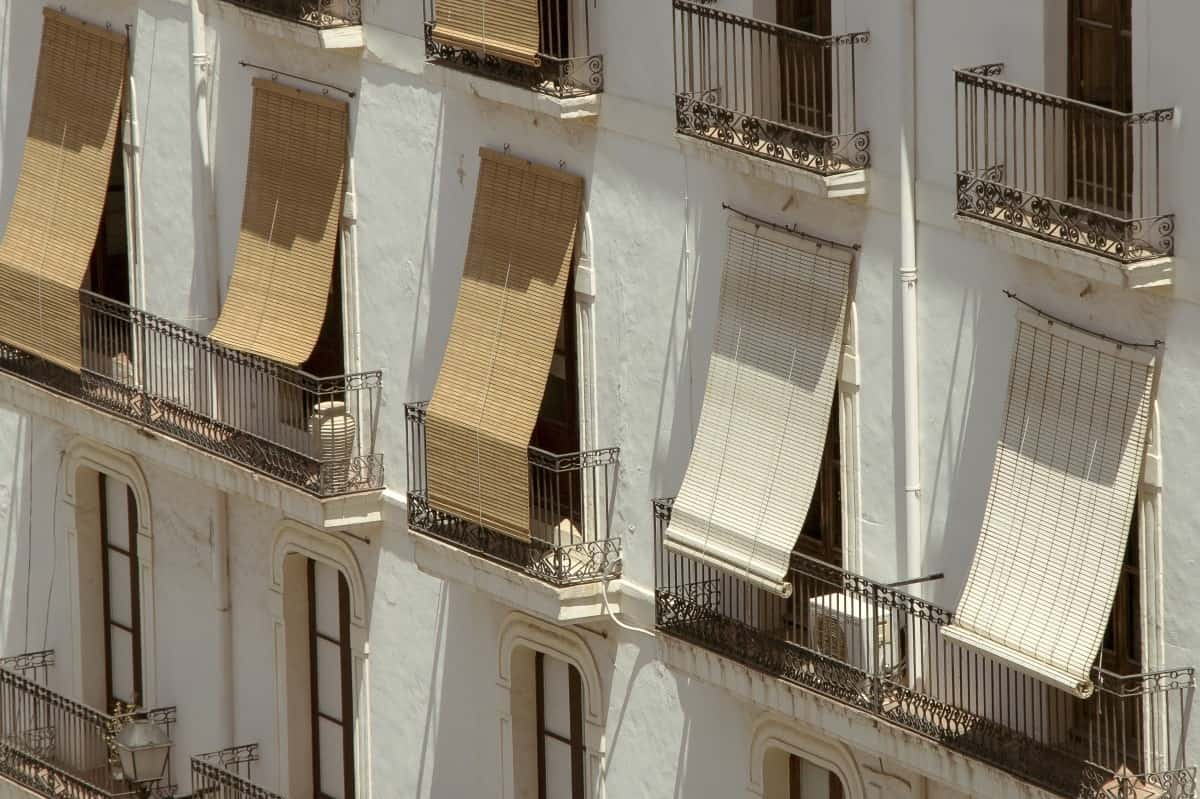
{"x":658,"y":232}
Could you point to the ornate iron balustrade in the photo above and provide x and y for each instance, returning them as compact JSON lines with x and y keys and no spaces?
{"x":566,"y":66}
{"x":569,"y":512}
{"x":57,"y":747}
{"x":1060,"y":170}
{"x":314,"y":13}
{"x":878,"y":649}
{"x":226,"y":775}
{"x":768,"y":90}
{"x":317,"y":434}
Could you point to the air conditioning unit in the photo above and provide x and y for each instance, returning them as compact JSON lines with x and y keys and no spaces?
{"x":851,"y":629}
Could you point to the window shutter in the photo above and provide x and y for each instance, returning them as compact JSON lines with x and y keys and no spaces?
{"x":63,"y":182}
{"x":1064,"y":486}
{"x":771,"y":382}
{"x":290,"y":220}
{"x":507,"y":28}
{"x":490,"y":387}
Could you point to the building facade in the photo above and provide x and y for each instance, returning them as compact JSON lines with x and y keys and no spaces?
{"x":549,"y":398}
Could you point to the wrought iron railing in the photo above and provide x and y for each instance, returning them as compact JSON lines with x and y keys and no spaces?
{"x":768,"y":90}
{"x":57,"y":747}
{"x":314,"y":13}
{"x":569,"y":513}
{"x":565,"y":64}
{"x":1059,"y":169}
{"x":879,"y":649}
{"x":315,"y":433}
{"x":226,"y":775}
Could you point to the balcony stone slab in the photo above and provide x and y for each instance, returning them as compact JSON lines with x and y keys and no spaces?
{"x":569,"y":605}
{"x":845,"y":185}
{"x":568,"y":109}
{"x":1151,"y":273}
{"x":361,"y":510}
{"x":340,"y":37}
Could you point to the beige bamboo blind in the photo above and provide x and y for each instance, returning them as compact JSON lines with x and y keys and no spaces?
{"x":279,"y":290}
{"x":507,"y":28}
{"x":62,"y":186}
{"x":489,"y":390}
{"x":1064,"y":487}
{"x":767,"y":400}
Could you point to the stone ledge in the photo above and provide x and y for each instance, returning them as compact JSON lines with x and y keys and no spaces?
{"x":342,"y":37}
{"x":861,"y":731}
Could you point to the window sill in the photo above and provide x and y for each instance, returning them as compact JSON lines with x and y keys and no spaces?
{"x":844,"y":185}
{"x":571,"y":605}
{"x":569,"y":109}
{"x":342,"y":37}
{"x":1150,"y":273}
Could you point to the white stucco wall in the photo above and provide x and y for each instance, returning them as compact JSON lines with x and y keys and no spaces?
{"x":654,"y":209}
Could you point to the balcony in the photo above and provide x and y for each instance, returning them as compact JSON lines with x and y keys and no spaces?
{"x":879,"y":650}
{"x":226,"y":775}
{"x":1061,"y":170}
{"x":54,"y":746}
{"x":570,"y":514}
{"x":768,"y":91}
{"x":565,"y":67}
{"x":316,"y":434}
{"x":312,"y":13}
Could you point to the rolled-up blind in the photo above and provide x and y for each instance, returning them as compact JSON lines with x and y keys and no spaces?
{"x":61,"y":190}
{"x":771,"y":382}
{"x":490,"y":387}
{"x":1063,"y":490}
{"x":291,"y":211}
{"x":508,"y":28}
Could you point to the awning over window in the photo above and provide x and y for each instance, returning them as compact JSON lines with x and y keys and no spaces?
{"x":486,"y":400}
{"x":60,"y":194}
{"x":771,"y":383}
{"x":507,"y":28}
{"x":1063,"y":490}
{"x":290,"y":215}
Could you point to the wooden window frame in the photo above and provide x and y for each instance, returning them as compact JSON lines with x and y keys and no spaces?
{"x":826,"y":511}
{"x":315,"y":714}
{"x":135,"y":605}
{"x":575,"y":742}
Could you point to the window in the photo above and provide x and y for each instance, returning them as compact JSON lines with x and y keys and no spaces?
{"x":122,"y":605}
{"x":555,"y":29}
{"x":560,"y":747}
{"x":821,"y":536}
{"x":329,"y":682}
{"x":108,"y":270}
{"x":790,"y":776}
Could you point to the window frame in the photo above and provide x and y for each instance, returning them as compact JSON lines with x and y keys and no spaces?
{"x":344,"y":660}
{"x":575,"y":742}
{"x":135,"y":605}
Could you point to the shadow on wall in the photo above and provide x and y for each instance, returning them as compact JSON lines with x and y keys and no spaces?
{"x":966,"y":450}
{"x":14,"y":581}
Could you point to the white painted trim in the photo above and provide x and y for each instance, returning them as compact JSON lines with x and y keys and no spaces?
{"x":84,"y":453}
{"x":850,"y":427}
{"x":293,"y":538}
{"x":772,"y":732}
{"x":520,"y":630}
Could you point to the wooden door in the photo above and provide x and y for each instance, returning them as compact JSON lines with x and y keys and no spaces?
{"x":805,"y":66}
{"x":1100,"y":56}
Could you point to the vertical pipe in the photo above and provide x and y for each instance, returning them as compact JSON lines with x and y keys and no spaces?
{"x":206,"y":237}
{"x":913,"y":544}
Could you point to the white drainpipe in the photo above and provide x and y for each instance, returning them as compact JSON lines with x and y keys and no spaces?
{"x":206,"y":242}
{"x":914,"y":543}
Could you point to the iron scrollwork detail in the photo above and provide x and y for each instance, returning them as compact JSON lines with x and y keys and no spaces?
{"x":1123,"y":240}
{"x":824,"y":154}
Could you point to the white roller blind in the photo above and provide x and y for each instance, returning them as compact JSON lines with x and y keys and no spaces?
{"x":1063,"y":489}
{"x":771,"y":380}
